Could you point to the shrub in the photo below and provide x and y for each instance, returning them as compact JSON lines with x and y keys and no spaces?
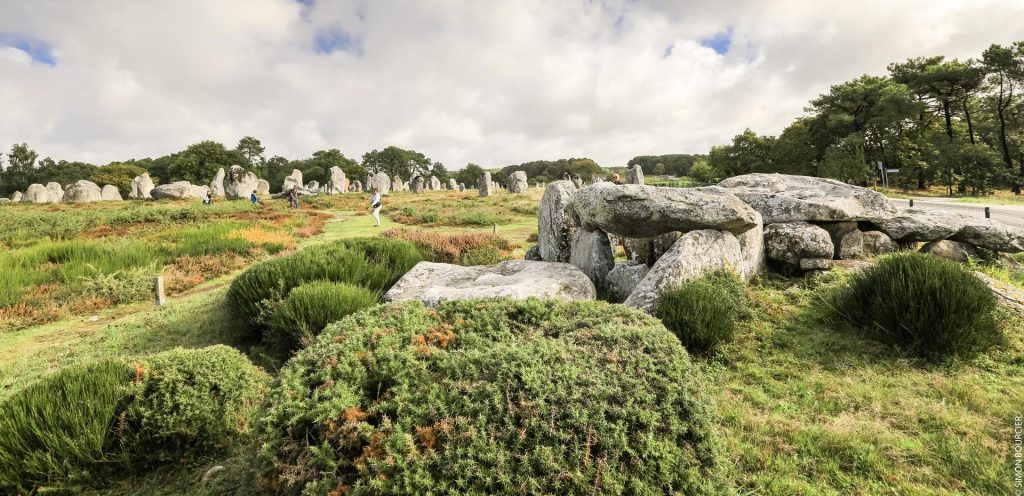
{"x":492,"y":397}
{"x":484,"y":255}
{"x":925,"y":305}
{"x":452,"y":247}
{"x":310,"y":307}
{"x":373,"y":263}
{"x":58,"y":429}
{"x":185,"y":400}
{"x":703,"y":312}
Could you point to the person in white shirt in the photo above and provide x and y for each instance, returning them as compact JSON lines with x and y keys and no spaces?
{"x":375,"y":204}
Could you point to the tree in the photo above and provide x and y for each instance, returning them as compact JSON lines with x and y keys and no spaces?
{"x":199,"y":162}
{"x":1005,"y":67}
{"x":252,"y":150}
{"x":659,"y":169}
{"x":19,"y":173}
{"x":703,"y":173}
{"x":845,"y":161}
{"x":794,"y":151}
{"x":117,"y":174}
{"x":946,"y":84}
{"x":62,"y":172}
{"x":396,"y":161}
{"x":747,"y":153}
{"x":439,"y":171}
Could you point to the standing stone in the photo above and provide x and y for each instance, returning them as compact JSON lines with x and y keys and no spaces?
{"x":36,"y":193}
{"x":789,"y":242}
{"x":554,"y":225}
{"x":693,"y":255}
{"x":592,"y":253}
{"x":240,"y":183}
{"x":752,"y":255}
{"x":624,"y":278}
{"x":417,"y":184}
{"x":83,"y":191}
{"x":142,"y":187}
{"x":313,"y":186}
{"x":381,"y":181}
{"x":293,"y":180}
{"x":517,"y":182}
{"x":577,"y":182}
{"x":635,"y":175}
{"x":356,"y":186}
{"x":110,"y":193}
{"x":878,"y":243}
{"x":56,"y":192}
{"x":262,"y":187}
{"x":397,"y":184}
{"x":951,"y":250}
{"x":485,"y":185}
{"x":847,"y":240}
{"x":452,"y":184}
{"x":338,"y":182}
{"x":217,"y":184}
{"x":16,"y":196}
{"x":435,"y":183}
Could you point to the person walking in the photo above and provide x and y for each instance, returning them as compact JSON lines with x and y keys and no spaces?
{"x":375,"y":204}
{"x":293,"y":197}
{"x":253,"y":198}
{"x":207,"y":199}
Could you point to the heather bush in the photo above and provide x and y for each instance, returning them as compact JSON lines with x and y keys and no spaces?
{"x":454,"y":247}
{"x":492,"y":397}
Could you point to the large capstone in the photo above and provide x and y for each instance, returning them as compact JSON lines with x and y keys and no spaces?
{"x":592,"y":253}
{"x":110,"y":193}
{"x":142,"y":187}
{"x":623,"y":279}
{"x":693,"y":255}
{"x":992,"y":235}
{"x":36,"y":193}
{"x":240,"y":183}
{"x":485,"y":185}
{"x":83,"y":191}
{"x":433,"y":283}
{"x":786,"y":198}
{"x":217,"y":184}
{"x":554,"y":225}
{"x":789,"y":242}
{"x":632,"y":210}
{"x":918,"y":224}
{"x":517,"y":182}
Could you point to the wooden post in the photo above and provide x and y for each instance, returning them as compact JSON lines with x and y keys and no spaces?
{"x":159,"y":284}
{"x":494,"y":229}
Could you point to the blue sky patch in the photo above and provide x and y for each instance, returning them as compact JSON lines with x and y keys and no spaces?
{"x":336,"y":39}
{"x":720,"y":42}
{"x":39,"y":50}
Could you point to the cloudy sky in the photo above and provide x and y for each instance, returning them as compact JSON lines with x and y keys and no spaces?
{"x":493,"y":82}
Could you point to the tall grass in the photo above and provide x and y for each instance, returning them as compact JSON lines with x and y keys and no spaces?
{"x":703,"y":313}
{"x":310,"y":307}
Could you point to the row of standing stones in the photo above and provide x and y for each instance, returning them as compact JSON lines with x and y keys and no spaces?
{"x":750,"y":224}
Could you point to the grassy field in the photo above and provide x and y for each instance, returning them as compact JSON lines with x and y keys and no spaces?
{"x":803,"y":405}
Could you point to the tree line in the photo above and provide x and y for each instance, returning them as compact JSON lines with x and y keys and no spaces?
{"x":949,"y":122}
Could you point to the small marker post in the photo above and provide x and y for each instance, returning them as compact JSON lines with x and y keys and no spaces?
{"x":159,"y":287}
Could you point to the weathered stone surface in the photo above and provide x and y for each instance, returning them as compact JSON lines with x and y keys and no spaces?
{"x":142,"y":187}
{"x":83,"y":191}
{"x":293,"y":180}
{"x":878,"y":243}
{"x":786,"y":198}
{"x":433,"y":283}
{"x":592,"y":253}
{"x":635,"y":175}
{"x":485,"y":185}
{"x":356,"y":186}
{"x":752,"y":253}
{"x":623,"y":279}
{"x":217,"y":184}
{"x":381,"y":181}
{"x":312,"y":186}
{"x":791,"y":241}
{"x":56,"y":192}
{"x":850,"y":246}
{"x":262,"y":187}
{"x":36,"y":193}
{"x":554,"y":225}
{"x":636,"y":211}
{"x":240,"y":183}
{"x":462,"y":187}
{"x":576,"y":181}
{"x":16,"y":196}
{"x":693,"y":255}
{"x":435,"y":183}
{"x":918,"y":224}
{"x":517,"y":182}
{"x":951,"y":250}
{"x":199,"y":191}
{"x":453,"y":185}
{"x":1006,"y":293}
{"x":174,"y":191}
{"x":649,"y":250}
{"x":417,"y":184}
{"x":397,"y":184}
{"x":815,"y":263}
{"x":534,"y":254}
{"x":338,"y":183}
{"x":991,"y":234}
{"x":110,"y":193}
{"x":5,"y":200}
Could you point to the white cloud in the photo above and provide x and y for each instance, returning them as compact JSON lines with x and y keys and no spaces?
{"x":460,"y":80}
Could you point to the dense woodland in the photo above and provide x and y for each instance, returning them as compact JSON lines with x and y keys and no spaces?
{"x":949,"y":122}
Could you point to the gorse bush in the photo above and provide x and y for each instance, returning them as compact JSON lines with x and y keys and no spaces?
{"x":484,"y":255}
{"x":59,"y":428}
{"x":925,"y":305}
{"x":373,"y":263}
{"x":310,"y":307}
{"x":703,"y":312}
{"x":492,"y":397}
{"x":190,"y":400}
{"x":86,"y":423}
{"x":453,"y":247}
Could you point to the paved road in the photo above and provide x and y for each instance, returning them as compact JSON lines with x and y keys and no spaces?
{"x":1007,"y":214}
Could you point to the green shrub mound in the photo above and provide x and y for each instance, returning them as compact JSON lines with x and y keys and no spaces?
{"x":85,"y":423}
{"x":373,"y":263}
{"x":925,"y":305}
{"x":310,"y":307}
{"x":191,"y":400}
{"x":59,"y":428}
{"x":492,"y":397}
{"x":703,"y":312}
